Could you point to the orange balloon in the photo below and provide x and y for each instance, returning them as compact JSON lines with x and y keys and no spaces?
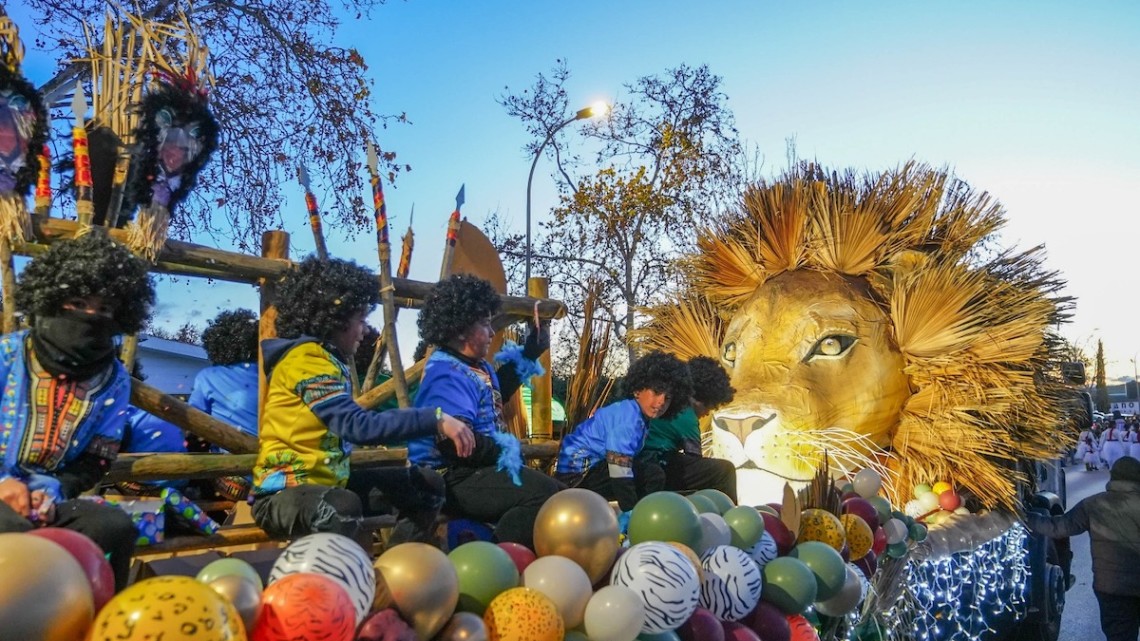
{"x":523,"y":614}
{"x":305,"y":606}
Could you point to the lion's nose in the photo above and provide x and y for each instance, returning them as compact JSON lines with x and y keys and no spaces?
{"x":742,"y":426}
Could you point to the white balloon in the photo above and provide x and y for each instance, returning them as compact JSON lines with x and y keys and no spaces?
{"x":665,"y":579}
{"x":895,"y":530}
{"x":564,"y":582}
{"x":764,"y":551}
{"x":847,"y":599}
{"x":913,"y":509}
{"x":714,"y":532}
{"x":614,"y":613}
{"x":928,"y":501}
{"x":335,"y":556}
{"x":867,"y":483}
{"x":732,"y":584}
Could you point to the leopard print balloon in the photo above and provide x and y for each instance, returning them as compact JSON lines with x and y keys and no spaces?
{"x":171,"y":608}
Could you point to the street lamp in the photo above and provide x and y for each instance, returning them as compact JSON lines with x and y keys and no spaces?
{"x":596,"y":109}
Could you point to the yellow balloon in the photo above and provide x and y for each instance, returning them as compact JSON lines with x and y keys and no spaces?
{"x":523,"y":614}
{"x":821,"y":525}
{"x":859,"y":535}
{"x":44,"y":594}
{"x":422,"y":584}
{"x":174,"y":608}
{"x":941,"y":487}
{"x":579,"y":525}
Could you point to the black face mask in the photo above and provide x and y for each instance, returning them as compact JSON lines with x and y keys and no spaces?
{"x":74,"y":344}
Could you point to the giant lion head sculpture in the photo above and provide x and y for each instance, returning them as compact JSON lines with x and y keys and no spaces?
{"x":861,"y":319}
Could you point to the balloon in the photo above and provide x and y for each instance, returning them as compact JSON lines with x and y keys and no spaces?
{"x":229,"y":567}
{"x":44,"y":593}
{"x":714,"y":531}
{"x":821,"y":525}
{"x":692,"y":557}
{"x":386,"y":625}
{"x":523,"y":614}
{"x":949,"y":500}
{"x":423,"y":585}
{"x":880,"y":542}
{"x":789,"y":585}
{"x":921,"y":488}
{"x":917,"y":532}
{"x":825,"y":563}
{"x":335,"y":556}
{"x":928,"y":502}
{"x":860,"y":538}
{"x":732,"y":583}
{"x":702,"y":626}
{"x":769,"y":623}
{"x":242,"y":593}
{"x":895,"y":530}
{"x":734,"y":631}
{"x":780,"y":533}
{"x":746,"y":524}
{"x":897,"y":550}
{"x":720,"y":499}
{"x":464,"y":626}
{"x":173,"y":608}
{"x":579,"y":525}
{"x":663,"y":636}
{"x":519,"y":553}
{"x":564,"y":582}
{"x":703,"y":504}
{"x":574,"y":635}
{"x":767,"y":509}
{"x":801,"y":628}
{"x":863,"y":509}
{"x":913,"y":508}
{"x":614,"y":613}
{"x":868,"y":564}
{"x":305,"y":606}
{"x":665,"y":516}
{"x":846,"y":599}
{"x":867,"y":483}
{"x":90,"y":558}
{"x":664,"y":579}
{"x":764,"y":551}
{"x":485,"y":570}
{"x":940,"y":487}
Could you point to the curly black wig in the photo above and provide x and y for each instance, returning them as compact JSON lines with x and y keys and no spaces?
{"x":91,"y":265}
{"x":710,"y":382}
{"x":366,"y":348}
{"x":17,"y":84}
{"x":231,"y":338}
{"x":318,"y":297}
{"x":454,"y":305}
{"x":661,"y":372}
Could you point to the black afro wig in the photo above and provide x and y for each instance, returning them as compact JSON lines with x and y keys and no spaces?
{"x":318,"y":297}
{"x":454,"y":305}
{"x":187,"y":108}
{"x":91,"y":265}
{"x":19,"y":85}
{"x":367,"y":348}
{"x":231,"y":338}
{"x":710,"y":382}
{"x":661,"y":372}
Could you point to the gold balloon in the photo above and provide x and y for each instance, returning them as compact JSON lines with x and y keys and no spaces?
{"x":242,"y":593}
{"x":581,"y":526}
{"x":422,"y":583}
{"x":693,"y":558}
{"x":44,"y":594}
{"x":383,"y":598}
{"x":464,"y":626}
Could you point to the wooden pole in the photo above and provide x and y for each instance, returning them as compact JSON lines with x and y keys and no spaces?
{"x":192,"y":420}
{"x":384,"y":253}
{"x":542,"y":388}
{"x":8,"y":283}
{"x":274,"y":246}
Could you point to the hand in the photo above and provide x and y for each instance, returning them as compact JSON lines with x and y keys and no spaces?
{"x":15,"y":494}
{"x":537,"y":341}
{"x":459,"y":433}
{"x":42,"y":507}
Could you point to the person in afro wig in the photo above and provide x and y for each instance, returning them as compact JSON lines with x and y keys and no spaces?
{"x":601,"y":454}
{"x":301,"y":481}
{"x":493,"y":485}
{"x":675,"y":444}
{"x":69,"y":391}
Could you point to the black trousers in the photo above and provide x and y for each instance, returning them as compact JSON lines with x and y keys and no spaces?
{"x":490,"y":496}
{"x":414,"y":493}
{"x":648,"y":477}
{"x":108,"y":526}
{"x":1119,"y":616}
{"x":688,"y":473}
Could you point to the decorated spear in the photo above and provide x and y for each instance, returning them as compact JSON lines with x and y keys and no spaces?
{"x":452,"y":236}
{"x":84,"y":205}
{"x":402,"y":270}
{"x":43,"y":184}
{"x":314,"y":213}
{"x":384,"y":249}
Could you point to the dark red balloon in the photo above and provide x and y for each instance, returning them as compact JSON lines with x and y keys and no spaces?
{"x":776,"y":506}
{"x":734,"y":631}
{"x":769,"y":623}
{"x":868,"y":564}
{"x":385,"y":625}
{"x":90,"y":558}
{"x":702,"y":626}
{"x":863,"y":509}
{"x":850,"y":495}
{"x":783,"y":537}
{"x":845,"y":553}
{"x":520,"y":554}
{"x":880,"y":542}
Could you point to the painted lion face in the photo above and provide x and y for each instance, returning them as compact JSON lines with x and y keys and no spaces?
{"x":816,"y":368}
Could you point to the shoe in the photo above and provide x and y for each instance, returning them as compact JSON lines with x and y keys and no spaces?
{"x":414,"y":530}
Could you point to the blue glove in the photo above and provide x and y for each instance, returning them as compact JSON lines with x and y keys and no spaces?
{"x":623,"y":522}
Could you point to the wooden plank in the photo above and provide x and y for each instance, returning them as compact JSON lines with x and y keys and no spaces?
{"x":192,"y":420}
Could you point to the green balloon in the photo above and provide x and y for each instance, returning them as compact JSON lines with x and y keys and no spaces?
{"x":575,"y":635}
{"x":668,"y":635}
{"x":746,"y":524}
{"x":882,"y":506}
{"x":665,"y":516}
{"x":703,"y":504}
{"x":847,"y":487}
{"x":723,"y":503}
{"x":229,"y":567}
{"x":825,"y":563}
{"x":897,"y":550}
{"x":485,"y":570}
{"x":789,"y":585}
{"x":917,"y":531}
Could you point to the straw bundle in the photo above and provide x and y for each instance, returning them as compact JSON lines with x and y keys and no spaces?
{"x":585,"y":391}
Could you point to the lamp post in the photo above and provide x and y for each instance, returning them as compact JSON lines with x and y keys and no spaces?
{"x":597,"y":109}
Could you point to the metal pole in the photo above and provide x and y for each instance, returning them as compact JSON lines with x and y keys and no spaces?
{"x":582,"y":113}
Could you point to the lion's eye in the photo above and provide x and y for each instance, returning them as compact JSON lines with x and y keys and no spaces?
{"x":832,"y":346}
{"x":728,"y":354}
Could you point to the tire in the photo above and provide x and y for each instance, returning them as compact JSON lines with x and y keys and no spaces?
{"x":1043,"y":623}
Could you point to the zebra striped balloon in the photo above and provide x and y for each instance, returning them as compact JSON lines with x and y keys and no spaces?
{"x":731,"y":588}
{"x":337,"y":557}
{"x":666,"y":581}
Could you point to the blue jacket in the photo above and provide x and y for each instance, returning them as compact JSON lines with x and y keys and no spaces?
{"x":615,"y":433}
{"x":228,"y":393}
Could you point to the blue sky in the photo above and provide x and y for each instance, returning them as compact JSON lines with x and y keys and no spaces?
{"x":1038,"y":103}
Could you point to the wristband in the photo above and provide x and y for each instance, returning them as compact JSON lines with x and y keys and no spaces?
{"x":438,"y":414}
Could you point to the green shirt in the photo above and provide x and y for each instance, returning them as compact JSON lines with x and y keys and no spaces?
{"x":670,"y":435}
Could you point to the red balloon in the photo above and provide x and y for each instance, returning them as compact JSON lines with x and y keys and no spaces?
{"x":769,"y":623}
{"x":802,"y":629}
{"x":702,"y":626}
{"x":520,"y":554}
{"x":863,"y":509}
{"x":385,"y":625}
{"x":868,"y":564}
{"x":783,"y":537}
{"x":949,"y":500}
{"x":90,"y":557}
{"x":305,"y":606}
{"x":734,"y":631}
{"x":880,"y":542}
